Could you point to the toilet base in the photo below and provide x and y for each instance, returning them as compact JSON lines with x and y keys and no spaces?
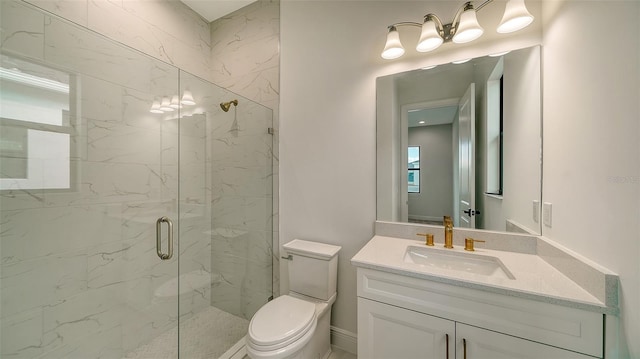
{"x":318,"y":347}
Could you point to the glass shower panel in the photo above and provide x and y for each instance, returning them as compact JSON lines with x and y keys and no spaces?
{"x":86,"y":170}
{"x":226,"y":216}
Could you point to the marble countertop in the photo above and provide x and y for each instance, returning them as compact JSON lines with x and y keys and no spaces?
{"x":534,"y":278}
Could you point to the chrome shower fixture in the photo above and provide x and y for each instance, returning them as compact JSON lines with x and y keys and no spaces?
{"x":226,"y":105}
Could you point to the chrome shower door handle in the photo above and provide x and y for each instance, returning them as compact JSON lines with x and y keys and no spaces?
{"x":169,"y":254}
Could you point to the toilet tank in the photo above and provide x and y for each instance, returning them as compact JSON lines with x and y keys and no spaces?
{"x":313,"y":269}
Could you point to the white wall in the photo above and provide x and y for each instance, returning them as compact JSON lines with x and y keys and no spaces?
{"x":591,"y":156}
{"x":591,"y":140}
{"x":330,"y":58}
{"x":388,"y":138}
{"x":522,"y":113}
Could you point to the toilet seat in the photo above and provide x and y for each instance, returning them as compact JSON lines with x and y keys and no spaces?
{"x":281,"y":322}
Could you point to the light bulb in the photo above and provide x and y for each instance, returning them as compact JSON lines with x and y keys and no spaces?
{"x":175,"y":102}
{"x":165,"y":105}
{"x":516,"y":17}
{"x":468,"y":28}
{"x":430,"y":38}
{"x":155,"y":107}
{"x":393,"y":48}
{"x":187,"y":98}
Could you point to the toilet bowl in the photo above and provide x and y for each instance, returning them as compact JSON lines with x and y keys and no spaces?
{"x":297,"y":325}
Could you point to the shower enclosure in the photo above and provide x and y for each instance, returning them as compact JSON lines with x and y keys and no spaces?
{"x":108,"y":158}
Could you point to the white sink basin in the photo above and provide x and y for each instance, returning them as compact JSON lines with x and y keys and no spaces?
{"x":457,"y":261}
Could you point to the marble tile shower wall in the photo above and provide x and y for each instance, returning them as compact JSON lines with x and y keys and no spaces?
{"x":167,"y":30}
{"x":245,"y":52}
{"x":242,"y":243}
{"x":79,"y":273}
{"x":245,"y":58}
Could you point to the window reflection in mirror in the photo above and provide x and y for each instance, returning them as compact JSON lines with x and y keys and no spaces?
{"x":35,"y":126}
{"x":413,"y":175}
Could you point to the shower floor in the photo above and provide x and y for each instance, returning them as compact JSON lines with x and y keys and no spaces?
{"x":208,"y":334}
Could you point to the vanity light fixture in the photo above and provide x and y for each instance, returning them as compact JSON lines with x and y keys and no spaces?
{"x":155,"y":107}
{"x":464,"y":28}
{"x":175,"y":102}
{"x":165,"y":105}
{"x":169,"y":104}
{"x":515,"y":17}
{"x":458,"y":62}
{"x":187,"y":98}
{"x":498,"y":54}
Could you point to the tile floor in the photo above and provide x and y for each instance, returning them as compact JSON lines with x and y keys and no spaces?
{"x":206,"y":335}
{"x":341,"y":354}
{"x":336,"y":353}
{"x":196,"y":336}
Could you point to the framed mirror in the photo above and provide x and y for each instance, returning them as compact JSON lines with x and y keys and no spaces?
{"x":462,"y":140}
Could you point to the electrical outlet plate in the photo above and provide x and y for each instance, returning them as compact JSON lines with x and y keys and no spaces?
{"x":546,"y":213}
{"x":536,"y":211}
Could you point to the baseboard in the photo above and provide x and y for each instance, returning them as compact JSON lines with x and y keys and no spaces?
{"x":345,"y":340}
{"x":425,"y":218}
{"x":237,"y":351}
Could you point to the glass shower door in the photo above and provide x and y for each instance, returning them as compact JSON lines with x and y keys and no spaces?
{"x":226,"y":216}
{"x":98,"y":144}
{"x":86,"y":170}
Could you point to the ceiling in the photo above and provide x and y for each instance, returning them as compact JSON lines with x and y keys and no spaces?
{"x":432,"y":116}
{"x":214,"y":9}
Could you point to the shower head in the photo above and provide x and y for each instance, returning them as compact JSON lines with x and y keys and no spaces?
{"x":226,"y":105}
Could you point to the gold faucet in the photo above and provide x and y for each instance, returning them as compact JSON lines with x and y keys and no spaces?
{"x":448,"y":232}
{"x":468,"y":244}
{"x":428,"y":238}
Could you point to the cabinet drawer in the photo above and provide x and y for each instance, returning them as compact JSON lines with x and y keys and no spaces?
{"x":560,"y":326}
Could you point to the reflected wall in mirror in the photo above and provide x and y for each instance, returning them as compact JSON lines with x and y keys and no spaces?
{"x":462,"y":140}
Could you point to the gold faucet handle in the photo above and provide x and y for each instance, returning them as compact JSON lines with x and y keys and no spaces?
{"x":468,"y":244}
{"x":428,"y":238}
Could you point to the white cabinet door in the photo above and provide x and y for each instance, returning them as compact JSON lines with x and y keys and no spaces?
{"x":477,"y":343}
{"x":388,"y":332}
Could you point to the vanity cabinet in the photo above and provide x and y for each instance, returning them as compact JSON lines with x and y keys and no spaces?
{"x":478,"y":343}
{"x":386,"y":331}
{"x":405,"y":317}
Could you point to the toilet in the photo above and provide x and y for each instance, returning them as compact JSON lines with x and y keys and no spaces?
{"x":296,"y":325}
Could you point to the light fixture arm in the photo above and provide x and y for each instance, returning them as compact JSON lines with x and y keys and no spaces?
{"x":448,"y":30}
{"x":483,"y":5}
{"x":405,"y":23}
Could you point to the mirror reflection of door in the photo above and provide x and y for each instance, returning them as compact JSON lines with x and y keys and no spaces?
{"x":430,"y":144}
{"x":466,"y":162}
